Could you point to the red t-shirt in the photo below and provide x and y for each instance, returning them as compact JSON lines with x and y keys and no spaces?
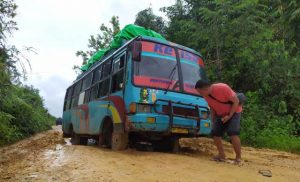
{"x":222,"y":92}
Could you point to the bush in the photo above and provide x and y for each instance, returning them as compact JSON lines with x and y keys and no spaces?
{"x":21,"y":108}
{"x":262,"y":127}
{"x":23,"y":114}
{"x":7,"y":131}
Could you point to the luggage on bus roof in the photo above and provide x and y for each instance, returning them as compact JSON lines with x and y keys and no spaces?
{"x":128,"y":32}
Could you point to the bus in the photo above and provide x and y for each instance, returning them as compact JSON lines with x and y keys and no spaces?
{"x":141,"y":92}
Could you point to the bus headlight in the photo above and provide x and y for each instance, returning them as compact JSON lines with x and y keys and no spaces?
{"x":204,"y":115}
{"x":144,"y":108}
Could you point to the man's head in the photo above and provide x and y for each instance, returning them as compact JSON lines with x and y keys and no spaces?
{"x":203,"y":87}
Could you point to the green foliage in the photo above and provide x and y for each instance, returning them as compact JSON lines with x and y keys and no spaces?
{"x":22,"y":114}
{"x":21,"y":108}
{"x":100,"y":41}
{"x":262,"y":128}
{"x":146,"y":18}
{"x":7,"y":130}
{"x":7,"y":13}
{"x":254,"y":46}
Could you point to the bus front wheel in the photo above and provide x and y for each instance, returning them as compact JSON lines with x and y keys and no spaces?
{"x":119,"y":141}
{"x":174,"y":145}
{"x":115,"y":141}
{"x":106,"y":136}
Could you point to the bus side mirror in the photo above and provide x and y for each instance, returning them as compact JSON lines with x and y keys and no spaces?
{"x":136,"y":51}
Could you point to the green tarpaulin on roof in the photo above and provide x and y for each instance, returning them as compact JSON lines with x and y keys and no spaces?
{"x":128,"y":32}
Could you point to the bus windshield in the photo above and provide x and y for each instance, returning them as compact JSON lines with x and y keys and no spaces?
{"x":158,"y":68}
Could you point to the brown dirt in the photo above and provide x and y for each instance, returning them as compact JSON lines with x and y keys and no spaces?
{"x":48,"y":157}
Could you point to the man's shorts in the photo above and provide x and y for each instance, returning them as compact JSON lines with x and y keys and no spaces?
{"x":232,"y":126}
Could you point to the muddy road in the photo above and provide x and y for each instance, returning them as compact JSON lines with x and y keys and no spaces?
{"x":49,"y":157}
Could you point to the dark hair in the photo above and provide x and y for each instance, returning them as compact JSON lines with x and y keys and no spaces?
{"x":202,"y":84}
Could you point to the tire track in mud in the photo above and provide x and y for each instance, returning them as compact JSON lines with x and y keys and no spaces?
{"x":21,"y":158}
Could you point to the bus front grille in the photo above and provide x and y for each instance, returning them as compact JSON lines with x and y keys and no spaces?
{"x":181,"y":111}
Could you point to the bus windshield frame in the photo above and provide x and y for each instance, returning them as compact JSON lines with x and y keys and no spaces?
{"x":166,"y":67}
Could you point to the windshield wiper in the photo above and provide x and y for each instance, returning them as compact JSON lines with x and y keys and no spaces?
{"x":171,"y":75}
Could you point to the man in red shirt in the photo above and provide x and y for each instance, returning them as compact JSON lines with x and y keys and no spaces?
{"x":226,"y":114}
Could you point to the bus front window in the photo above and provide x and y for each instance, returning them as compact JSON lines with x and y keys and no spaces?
{"x":192,"y":70}
{"x":157,"y":67}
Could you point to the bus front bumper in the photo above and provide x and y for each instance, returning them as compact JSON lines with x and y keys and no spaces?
{"x":152,"y":122}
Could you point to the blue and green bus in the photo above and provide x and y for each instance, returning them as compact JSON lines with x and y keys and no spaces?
{"x":141,"y":92}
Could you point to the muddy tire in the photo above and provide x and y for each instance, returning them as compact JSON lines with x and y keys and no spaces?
{"x":107,"y":133}
{"x":83,"y":140}
{"x":100,"y":140}
{"x":119,"y":141}
{"x":65,"y":135}
{"x":174,"y":145}
{"x":75,"y":139}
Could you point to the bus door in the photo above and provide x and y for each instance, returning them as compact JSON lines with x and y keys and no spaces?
{"x":83,"y":102}
{"x":116,"y":100}
{"x":118,"y":74}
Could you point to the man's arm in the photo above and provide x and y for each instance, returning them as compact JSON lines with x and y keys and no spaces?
{"x":234,"y":106}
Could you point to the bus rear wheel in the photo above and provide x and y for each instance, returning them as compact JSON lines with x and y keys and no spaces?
{"x":65,"y":135}
{"x":77,"y":139}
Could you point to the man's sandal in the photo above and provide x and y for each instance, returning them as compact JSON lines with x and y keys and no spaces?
{"x":218,"y":159}
{"x":237,"y":161}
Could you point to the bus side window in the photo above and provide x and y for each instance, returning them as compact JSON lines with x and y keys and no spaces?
{"x":117,"y":81}
{"x":94,"y":92}
{"x":104,"y":87}
{"x":75,"y":95}
{"x":70,"y":92}
{"x":74,"y":101}
{"x":86,"y":83}
{"x":106,"y":69}
{"x":97,"y":74}
{"x":77,"y":88}
{"x":116,"y":65}
{"x":67,"y":103}
{"x":68,"y":106}
{"x":118,"y":74}
{"x":87,"y":95}
{"x":119,"y":63}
